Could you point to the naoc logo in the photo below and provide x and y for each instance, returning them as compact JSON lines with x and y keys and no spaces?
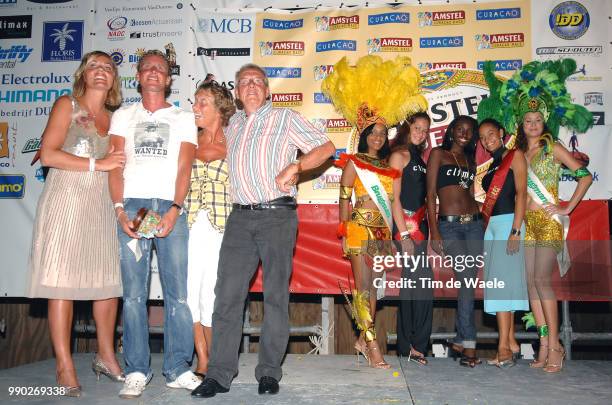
{"x":12,"y":185}
{"x":504,"y":64}
{"x":337,"y":45}
{"x":283,"y":72}
{"x":498,"y":14}
{"x":269,"y":24}
{"x":62,"y":41}
{"x":116,"y":28}
{"x":569,"y":20}
{"x":225,"y":25}
{"x":389,"y":18}
{"x":441,"y":42}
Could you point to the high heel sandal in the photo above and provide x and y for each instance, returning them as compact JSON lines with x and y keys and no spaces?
{"x":98,"y":367}
{"x":542,"y":333}
{"x":555,"y":368}
{"x":68,"y":391}
{"x":372,"y":347}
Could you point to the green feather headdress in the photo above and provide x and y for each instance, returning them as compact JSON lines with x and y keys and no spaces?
{"x":538,"y":86}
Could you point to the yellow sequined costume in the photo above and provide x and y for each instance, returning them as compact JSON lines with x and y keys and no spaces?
{"x":366,"y":227}
{"x":540,"y":229}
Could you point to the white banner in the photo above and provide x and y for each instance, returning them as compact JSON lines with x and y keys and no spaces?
{"x":582,"y":31}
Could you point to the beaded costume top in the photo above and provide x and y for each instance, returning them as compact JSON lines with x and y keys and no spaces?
{"x":385,"y":173}
{"x":546,"y":169}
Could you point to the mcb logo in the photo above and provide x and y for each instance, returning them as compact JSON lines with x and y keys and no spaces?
{"x":225,"y":25}
{"x":12,"y":185}
{"x":569,"y":20}
{"x":62,"y":41}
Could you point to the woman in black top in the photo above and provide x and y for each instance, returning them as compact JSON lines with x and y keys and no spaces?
{"x":505,"y":259}
{"x":458,"y":230}
{"x":416,"y":304}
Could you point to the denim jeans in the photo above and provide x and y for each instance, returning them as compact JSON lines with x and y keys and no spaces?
{"x":172,"y":263}
{"x":463,"y":240}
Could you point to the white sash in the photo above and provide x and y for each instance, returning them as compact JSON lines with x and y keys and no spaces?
{"x":377,"y":193}
{"x":541,"y":196}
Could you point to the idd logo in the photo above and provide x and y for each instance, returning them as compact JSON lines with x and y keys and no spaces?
{"x":225,"y":25}
{"x":12,"y":185}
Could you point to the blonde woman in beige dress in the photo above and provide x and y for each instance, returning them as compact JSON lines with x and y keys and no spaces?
{"x":75,"y":252}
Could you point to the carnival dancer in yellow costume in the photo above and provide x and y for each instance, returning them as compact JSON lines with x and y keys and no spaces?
{"x":540,"y":105}
{"x":372,"y":95}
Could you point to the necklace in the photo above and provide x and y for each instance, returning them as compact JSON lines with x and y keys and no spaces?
{"x":463,"y":183}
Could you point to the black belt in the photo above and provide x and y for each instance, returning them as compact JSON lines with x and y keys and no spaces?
{"x":462,"y":219}
{"x":287,"y":203}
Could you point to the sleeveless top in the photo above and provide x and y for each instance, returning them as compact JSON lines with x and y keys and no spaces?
{"x":507,"y":195}
{"x":548,"y":171}
{"x":414,"y":182}
{"x":209,"y":191}
{"x":82,"y":138}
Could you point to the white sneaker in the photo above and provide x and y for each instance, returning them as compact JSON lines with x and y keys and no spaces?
{"x":187,"y":380}
{"x":134,"y":384}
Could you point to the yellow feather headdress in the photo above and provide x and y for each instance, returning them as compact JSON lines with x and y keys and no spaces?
{"x":375,"y":90}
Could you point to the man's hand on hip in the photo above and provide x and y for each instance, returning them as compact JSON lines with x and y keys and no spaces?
{"x":287,"y":177}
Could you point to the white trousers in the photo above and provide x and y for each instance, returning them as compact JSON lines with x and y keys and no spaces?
{"x":204,"y":245}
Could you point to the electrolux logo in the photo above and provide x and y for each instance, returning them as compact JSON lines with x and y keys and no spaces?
{"x":441,"y":42}
{"x":337,"y":45}
{"x":569,"y":20}
{"x":16,"y":80}
{"x":498,"y":14}
{"x":229,"y":25}
{"x":503,"y":64}
{"x":62,"y":41}
{"x":9,"y":57}
{"x":282,"y":24}
{"x":389,"y":18}
{"x":12,"y":185}
{"x":283,"y":72}
{"x":15,"y":26}
{"x":212,"y":53}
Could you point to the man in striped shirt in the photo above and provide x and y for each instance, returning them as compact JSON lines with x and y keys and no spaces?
{"x":262,"y":144}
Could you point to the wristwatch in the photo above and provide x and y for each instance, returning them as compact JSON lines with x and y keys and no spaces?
{"x":515,"y":231}
{"x":178,"y":207}
{"x":298,"y":162}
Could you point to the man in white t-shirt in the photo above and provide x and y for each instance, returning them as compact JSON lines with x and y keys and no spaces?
{"x":159,"y":141}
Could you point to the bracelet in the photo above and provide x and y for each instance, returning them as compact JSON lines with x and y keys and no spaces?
{"x":346,"y":192}
{"x":341,"y":231}
{"x":92,"y":164}
{"x":515,"y":231}
{"x":117,"y":205}
{"x":405,"y":235}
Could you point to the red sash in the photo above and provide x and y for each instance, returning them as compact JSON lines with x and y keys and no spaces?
{"x":499,"y":178}
{"x":412,"y":224}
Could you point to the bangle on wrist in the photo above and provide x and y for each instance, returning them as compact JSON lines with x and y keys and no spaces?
{"x":515,"y":231}
{"x":178,"y":207}
{"x":92,"y":164}
{"x":117,"y":205}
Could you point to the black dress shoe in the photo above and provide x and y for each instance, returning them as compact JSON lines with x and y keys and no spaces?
{"x":267,"y":385}
{"x":209,"y":388}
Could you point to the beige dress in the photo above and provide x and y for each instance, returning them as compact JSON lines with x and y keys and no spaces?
{"x":75,"y":251}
